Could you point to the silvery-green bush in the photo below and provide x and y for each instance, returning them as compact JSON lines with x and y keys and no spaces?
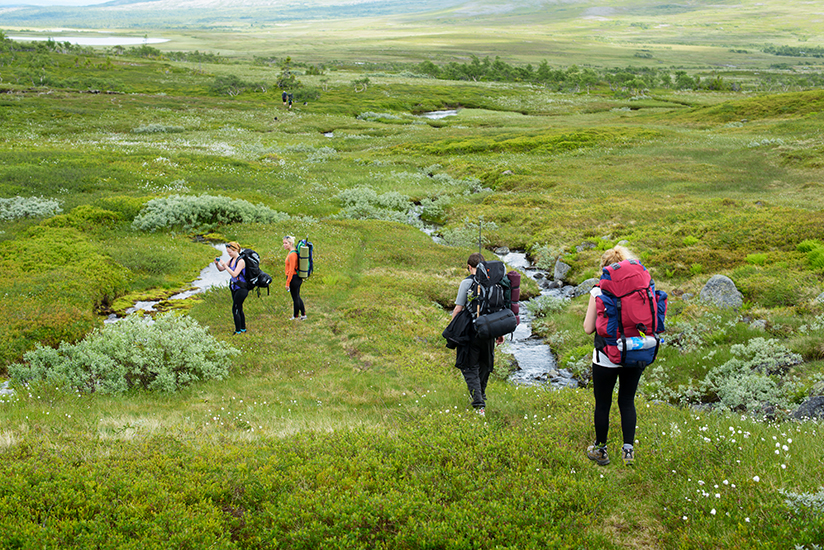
{"x":189,"y":212}
{"x":166,"y":355}
{"x":364,"y":203}
{"x":28,"y":207}
{"x":749,"y":380}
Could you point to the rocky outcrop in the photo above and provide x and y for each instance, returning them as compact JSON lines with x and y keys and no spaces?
{"x":584,"y":287}
{"x":721,"y":292}
{"x":561,"y":270}
{"x":811,"y":408}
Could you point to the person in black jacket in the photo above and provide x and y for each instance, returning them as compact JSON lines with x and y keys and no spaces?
{"x":476,"y":359}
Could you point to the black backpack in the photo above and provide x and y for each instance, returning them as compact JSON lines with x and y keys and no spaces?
{"x":255,"y":278}
{"x":490,"y":305}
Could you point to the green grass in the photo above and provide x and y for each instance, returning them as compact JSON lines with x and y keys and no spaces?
{"x":352,"y":429}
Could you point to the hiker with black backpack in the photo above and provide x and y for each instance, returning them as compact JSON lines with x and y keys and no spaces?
{"x":475,"y":351}
{"x":293,"y":280}
{"x":626,"y":314}
{"x":236,"y":266}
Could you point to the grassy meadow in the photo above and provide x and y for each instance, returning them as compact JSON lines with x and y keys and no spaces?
{"x":352,"y":429}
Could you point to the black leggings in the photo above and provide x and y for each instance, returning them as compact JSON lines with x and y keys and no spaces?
{"x":603,"y":382}
{"x":297,"y":302}
{"x":238,"y":296}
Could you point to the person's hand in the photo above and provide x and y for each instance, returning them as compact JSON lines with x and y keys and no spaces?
{"x":499,"y":340}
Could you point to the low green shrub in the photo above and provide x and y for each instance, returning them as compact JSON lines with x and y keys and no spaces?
{"x":756,"y":259}
{"x":165,"y":355}
{"x":689,"y":240}
{"x":202,"y":212}
{"x":544,"y":306}
{"x":364,"y":203}
{"x":748,"y":381}
{"x":28,"y":207}
{"x":816,"y":258}
{"x":808,"y":245}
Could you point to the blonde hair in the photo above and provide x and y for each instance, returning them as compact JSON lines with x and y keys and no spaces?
{"x":615,"y":255}
{"x":234,"y":246}
{"x":290,"y":239}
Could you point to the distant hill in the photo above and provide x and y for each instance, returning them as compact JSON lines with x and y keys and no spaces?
{"x":207,"y":13}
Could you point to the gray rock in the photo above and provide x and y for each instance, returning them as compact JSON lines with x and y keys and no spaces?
{"x":759,"y":324}
{"x":502,"y":251}
{"x":538,"y":276}
{"x":586,"y":245}
{"x":820,"y":299}
{"x":550,"y":285}
{"x":811,"y":408}
{"x":5,"y":389}
{"x":687,"y":296}
{"x":720,"y":291}
{"x":507,"y":173}
{"x":585,"y":287}
{"x":561,"y":270}
{"x":818,"y":388}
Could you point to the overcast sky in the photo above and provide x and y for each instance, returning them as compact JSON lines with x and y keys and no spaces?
{"x":51,"y":2}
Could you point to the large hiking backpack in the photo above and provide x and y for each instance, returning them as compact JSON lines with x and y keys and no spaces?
{"x":489,"y":306}
{"x":306,"y":261}
{"x":255,"y":278}
{"x":514,"y":279}
{"x":631,"y":315}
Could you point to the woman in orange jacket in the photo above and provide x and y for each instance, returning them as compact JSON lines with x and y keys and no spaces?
{"x":293,"y":281}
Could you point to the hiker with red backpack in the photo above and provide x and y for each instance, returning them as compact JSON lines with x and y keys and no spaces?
{"x":626,"y":314}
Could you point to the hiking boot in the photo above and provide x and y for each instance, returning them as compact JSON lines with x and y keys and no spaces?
{"x":628,"y":454}
{"x":598,"y":454}
{"x":303,"y":317}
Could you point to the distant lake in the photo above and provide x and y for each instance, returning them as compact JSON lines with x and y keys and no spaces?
{"x":94,"y":40}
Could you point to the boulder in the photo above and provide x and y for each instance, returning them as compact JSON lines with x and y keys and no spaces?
{"x":561,"y":270}
{"x":502,"y":251}
{"x":820,"y":298}
{"x":811,"y":408}
{"x":586,"y":245}
{"x":759,"y":324}
{"x":585,"y":287}
{"x":720,"y":291}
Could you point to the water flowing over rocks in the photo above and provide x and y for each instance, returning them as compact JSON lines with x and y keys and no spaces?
{"x":720,"y":291}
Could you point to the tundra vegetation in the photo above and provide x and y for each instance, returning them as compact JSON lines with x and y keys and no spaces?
{"x":351,"y":429}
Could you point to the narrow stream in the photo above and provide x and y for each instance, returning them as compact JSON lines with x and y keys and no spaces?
{"x":209,"y":277}
{"x":536,"y":363}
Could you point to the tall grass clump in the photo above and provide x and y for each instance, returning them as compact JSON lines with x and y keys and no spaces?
{"x":28,"y":207}
{"x":202,"y":212}
{"x":166,"y":355}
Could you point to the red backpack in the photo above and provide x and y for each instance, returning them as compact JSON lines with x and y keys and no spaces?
{"x":631,"y":315}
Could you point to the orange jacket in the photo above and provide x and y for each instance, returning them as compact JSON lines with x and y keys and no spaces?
{"x":291,"y":265}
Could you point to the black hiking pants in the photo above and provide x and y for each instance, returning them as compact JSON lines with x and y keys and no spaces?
{"x":476,"y":361}
{"x":297,"y":302}
{"x":603,"y":383}
{"x":238,"y":297}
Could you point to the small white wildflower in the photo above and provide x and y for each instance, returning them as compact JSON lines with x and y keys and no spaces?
{"x":712,"y":511}
{"x":756,"y":479}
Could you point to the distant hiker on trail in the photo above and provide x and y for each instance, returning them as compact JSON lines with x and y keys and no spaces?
{"x":237,"y":269}
{"x":290,"y":100}
{"x":284,"y":96}
{"x":625,"y":312}
{"x":475,"y":356}
{"x":293,"y":281}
